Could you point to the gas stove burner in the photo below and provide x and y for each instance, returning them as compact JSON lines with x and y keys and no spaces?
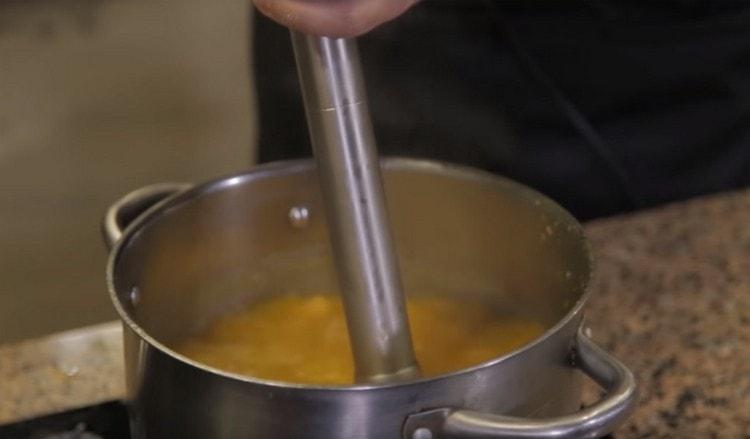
{"x":79,"y":432}
{"x":107,"y":420}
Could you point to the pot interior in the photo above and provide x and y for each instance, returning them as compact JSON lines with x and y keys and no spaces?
{"x":459,"y":233}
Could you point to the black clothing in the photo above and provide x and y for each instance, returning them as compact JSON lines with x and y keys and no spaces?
{"x":603,"y":105}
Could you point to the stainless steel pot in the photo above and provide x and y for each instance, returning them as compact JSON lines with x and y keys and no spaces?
{"x":183,"y":255}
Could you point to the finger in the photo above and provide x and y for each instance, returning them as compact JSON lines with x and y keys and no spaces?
{"x":333,"y":18}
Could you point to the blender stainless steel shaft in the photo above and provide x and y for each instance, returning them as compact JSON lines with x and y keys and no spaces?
{"x":344,"y":147}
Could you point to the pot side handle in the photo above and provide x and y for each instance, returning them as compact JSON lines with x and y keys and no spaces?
{"x":125,"y":210}
{"x":594,"y":421}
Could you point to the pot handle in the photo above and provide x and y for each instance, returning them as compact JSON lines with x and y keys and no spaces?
{"x":594,"y":421}
{"x":125,"y":210}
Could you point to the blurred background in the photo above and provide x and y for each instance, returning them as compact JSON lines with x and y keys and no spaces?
{"x":99,"y":97}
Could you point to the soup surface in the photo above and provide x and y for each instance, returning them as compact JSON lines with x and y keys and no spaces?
{"x":303,"y":339}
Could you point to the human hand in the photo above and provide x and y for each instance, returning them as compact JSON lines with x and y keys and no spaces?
{"x":333,"y":18}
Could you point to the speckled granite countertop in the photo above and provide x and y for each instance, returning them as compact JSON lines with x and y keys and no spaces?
{"x":62,"y":371}
{"x":671,"y":298}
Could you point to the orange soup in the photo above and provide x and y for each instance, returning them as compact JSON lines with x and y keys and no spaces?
{"x":303,"y":339}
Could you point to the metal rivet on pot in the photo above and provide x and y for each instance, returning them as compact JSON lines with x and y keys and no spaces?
{"x":422,"y":433}
{"x":299,"y":216}
{"x":135,"y":296}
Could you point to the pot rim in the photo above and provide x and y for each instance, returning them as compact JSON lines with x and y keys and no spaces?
{"x":286,"y":167}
